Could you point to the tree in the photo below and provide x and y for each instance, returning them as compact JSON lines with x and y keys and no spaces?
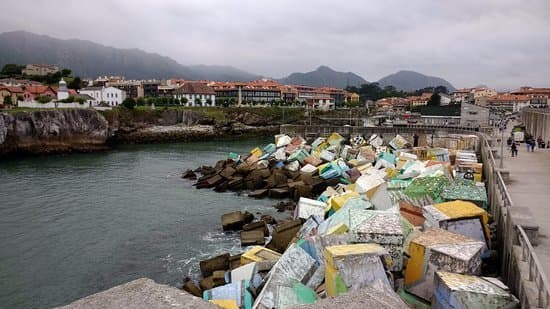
{"x":198,"y":101}
{"x":11,"y":70}
{"x":209,"y":102}
{"x":176,"y":101}
{"x":7,"y":100}
{"x":140,"y":102}
{"x":184,"y":101}
{"x":129,"y":103}
{"x":65,"y":72}
{"x":435,"y":100}
{"x":43,"y":98}
{"x":441,"y":89}
{"x":76,"y":83}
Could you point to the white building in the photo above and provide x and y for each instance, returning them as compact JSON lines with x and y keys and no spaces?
{"x":113,"y":96}
{"x":109,"y":95}
{"x":196,"y":94}
{"x":94,"y":93}
{"x":444,"y":99}
{"x":62,"y":92}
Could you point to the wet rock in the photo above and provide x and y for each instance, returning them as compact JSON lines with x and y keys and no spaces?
{"x":248,"y":217}
{"x":218,"y":277}
{"x":279,"y":193}
{"x":222,"y":187}
{"x":282,"y":206}
{"x":253,"y":237}
{"x":260,"y":193}
{"x":207,"y":283}
{"x":189,"y":174}
{"x":235,"y":184}
{"x":282,"y":235}
{"x":303,"y":191}
{"x":268,"y":219}
{"x":220,"y":262}
{"x":234,"y":261}
{"x":210,"y":182}
{"x":228,"y":172}
{"x":190,"y":287}
{"x":258,"y":225}
{"x":232,"y":221}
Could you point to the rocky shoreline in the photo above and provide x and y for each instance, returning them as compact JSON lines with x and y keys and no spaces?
{"x":44,"y":132}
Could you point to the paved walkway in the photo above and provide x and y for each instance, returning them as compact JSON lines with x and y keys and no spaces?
{"x":530,"y":187}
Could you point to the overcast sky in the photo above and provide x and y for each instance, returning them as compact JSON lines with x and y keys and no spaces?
{"x":501,"y":43}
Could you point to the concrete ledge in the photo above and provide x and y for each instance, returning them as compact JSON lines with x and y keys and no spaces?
{"x":522,"y":216}
{"x":141,"y":293}
{"x":504,"y":173}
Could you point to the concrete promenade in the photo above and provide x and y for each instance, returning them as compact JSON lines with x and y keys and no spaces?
{"x":529,"y":187}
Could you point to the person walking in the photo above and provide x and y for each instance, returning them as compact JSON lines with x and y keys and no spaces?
{"x":514,"y":150}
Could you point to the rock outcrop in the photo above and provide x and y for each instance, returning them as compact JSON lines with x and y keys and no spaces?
{"x":52,"y":131}
{"x":83,"y":130}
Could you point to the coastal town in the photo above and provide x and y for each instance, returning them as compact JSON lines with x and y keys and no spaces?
{"x":467,"y":107}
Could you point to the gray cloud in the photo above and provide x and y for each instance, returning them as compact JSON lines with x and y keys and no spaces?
{"x":502,"y":43}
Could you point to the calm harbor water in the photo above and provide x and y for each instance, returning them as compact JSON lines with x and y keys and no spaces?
{"x":74,"y":225}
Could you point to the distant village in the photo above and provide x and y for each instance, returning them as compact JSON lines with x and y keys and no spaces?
{"x":465,"y":107}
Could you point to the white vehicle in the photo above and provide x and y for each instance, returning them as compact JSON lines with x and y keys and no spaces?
{"x":519,"y":136}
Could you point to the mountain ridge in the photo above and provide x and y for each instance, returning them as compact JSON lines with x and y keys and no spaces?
{"x":407,"y":80}
{"x":89,"y":59}
{"x":323,"y":76}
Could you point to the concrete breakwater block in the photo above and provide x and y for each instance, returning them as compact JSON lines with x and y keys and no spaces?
{"x":253,"y":237}
{"x":141,"y":294}
{"x":259,"y":254}
{"x":233,"y":221}
{"x":352,"y":267}
{"x":237,"y":291}
{"x":258,"y":225}
{"x":191,"y":288}
{"x":282,"y":235}
{"x":459,"y":217}
{"x":294,"y":265}
{"x":465,"y":291}
{"x":440,"y":250}
{"x":380,"y":297}
{"x":220,"y":262}
{"x":385,"y":229}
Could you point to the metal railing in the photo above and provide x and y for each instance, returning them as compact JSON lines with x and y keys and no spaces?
{"x":511,"y":236}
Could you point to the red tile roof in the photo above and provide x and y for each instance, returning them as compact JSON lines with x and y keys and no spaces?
{"x":195,"y":88}
{"x":38,"y":89}
{"x":12,"y":89}
{"x":507,"y":98}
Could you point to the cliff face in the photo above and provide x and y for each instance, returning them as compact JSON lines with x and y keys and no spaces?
{"x":83,"y":130}
{"x":52,"y":131}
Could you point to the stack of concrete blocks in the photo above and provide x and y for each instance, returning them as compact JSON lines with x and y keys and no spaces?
{"x":465,"y":291}
{"x":459,"y":217}
{"x":439,"y":250}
